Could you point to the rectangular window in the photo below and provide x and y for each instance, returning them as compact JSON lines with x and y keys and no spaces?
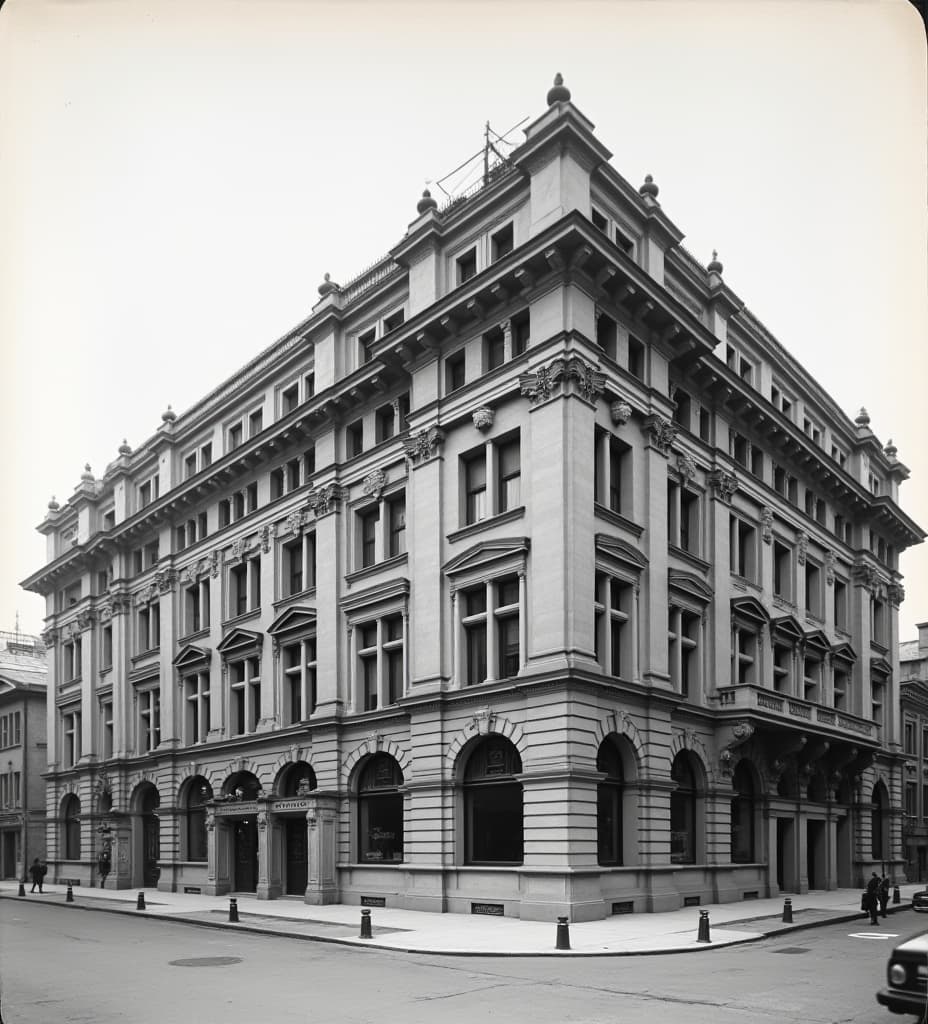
{"x":508,"y":472}
{"x":393,"y":643}
{"x":255,"y":422}
{"x":521,"y":328}
{"x":235,"y":436}
{"x":454,"y":372}
{"x":467,"y":266}
{"x":225,"y":512}
{"x":782,"y":668}
{"x":506,"y":614}
{"x":494,"y":348}
{"x":71,"y":660}
{"x":743,"y":538}
{"x":190,"y":465}
{"x":612,"y":473}
{"x":354,"y":439}
{"x":396,"y":525}
{"x":149,"y":705}
{"x":782,"y":571}
{"x":683,"y":636}
{"x":812,"y":678}
{"x":149,"y":628}
{"x":606,"y":333}
{"x":683,"y":408}
{"x":106,"y":647}
{"x":682,"y":517}
{"x":106,"y":728}
{"x":475,"y":487}
{"x":911,"y":800}
{"x":705,"y":425}
{"x":501,"y":242}
{"x":71,"y":738}
{"x":394,"y":320}
{"x":635,"y":358}
{"x":841,"y":686}
{"x":299,"y":671}
{"x":196,"y":607}
{"x":909,"y":738}
{"x":367,"y":521}
{"x":385,"y":423}
{"x":245,"y":587}
{"x":367,"y":652}
{"x":839,"y":598}
{"x":814,"y":594}
{"x":244,"y":696}
{"x":365,"y":341}
{"x":614,"y":642}
{"x":744,"y":655}
{"x":289,"y":398}
{"x":196,"y":708}
{"x":877,"y":622}
{"x":877,"y":690}
{"x":277,"y":484}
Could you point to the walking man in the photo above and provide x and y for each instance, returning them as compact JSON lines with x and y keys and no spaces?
{"x":884,"y":895}
{"x":37,"y":870}
{"x":873,"y":897}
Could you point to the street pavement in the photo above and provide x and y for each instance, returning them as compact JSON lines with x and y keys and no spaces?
{"x":466,"y":935}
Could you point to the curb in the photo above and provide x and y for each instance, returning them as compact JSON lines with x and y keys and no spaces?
{"x":373,"y":944}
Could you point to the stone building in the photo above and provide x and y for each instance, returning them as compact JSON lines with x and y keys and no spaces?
{"x":23,"y":755}
{"x":528,"y":575}
{"x":913,"y":697}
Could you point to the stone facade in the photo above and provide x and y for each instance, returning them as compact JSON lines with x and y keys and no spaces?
{"x":528,"y":575}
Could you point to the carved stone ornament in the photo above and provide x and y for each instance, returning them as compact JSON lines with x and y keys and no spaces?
{"x":803,"y":548}
{"x":620,"y":411}
{"x":239,"y":547}
{"x":267,"y":533}
{"x":165,"y":580}
{"x":146,"y":596}
{"x":374,"y":483}
{"x":296,"y":521}
{"x":484,"y":417}
{"x":423,"y":445}
{"x":540,"y":385}
{"x":661,"y":433}
{"x":896,"y":593}
{"x":85,"y":619}
{"x":374,"y":740}
{"x":686,"y":466}
{"x":50,"y":637}
{"x":723,"y":485}
{"x":830,"y":561}
{"x":766,"y":523}
{"x":215,"y":559}
{"x":483,"y":721}
{"x":590,"y":382}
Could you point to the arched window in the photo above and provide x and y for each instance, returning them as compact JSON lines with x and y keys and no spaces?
{"x":380,"y":811}
{"x":742,"y":816}
{"x":683,"y":811}
{"x":493,"y":804}
{"x":609,"y":805}
{"x":877,"y":814}
{"x":296,"y":779}
{"x":198,"y":795}
{"x":71,"y":815}
{"x":242,"y":786}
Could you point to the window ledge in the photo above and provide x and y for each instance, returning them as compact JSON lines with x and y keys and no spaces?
{"x":152,"y":652}
{"x":235,"y":620}
{"x":196,"y":635}
{"x":377,"y":567}
{"x":292,"y":598}
{"x":471,"y":529}
{"x":617,"y":519}
{"x":688,"y":556}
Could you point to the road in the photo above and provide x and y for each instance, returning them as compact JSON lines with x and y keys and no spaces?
{"x":62,"y":965}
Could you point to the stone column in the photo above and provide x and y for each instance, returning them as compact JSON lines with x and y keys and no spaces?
{"x":321,"y":838}
{"x":265,"y":888}
{"x":167,"y":584}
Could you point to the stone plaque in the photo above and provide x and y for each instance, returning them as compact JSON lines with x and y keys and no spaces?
{"x":373,"y":901}
{"x":487,"y":909}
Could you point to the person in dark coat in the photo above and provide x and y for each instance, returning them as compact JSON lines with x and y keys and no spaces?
{"x":873,"y":897}
{"x":884,"y":895}
{"x":38,"y":874}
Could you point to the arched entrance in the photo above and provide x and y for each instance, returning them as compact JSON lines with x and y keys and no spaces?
{"x":146,"y":843}
{"x":295,"y":781}
{"x":244,"y":787}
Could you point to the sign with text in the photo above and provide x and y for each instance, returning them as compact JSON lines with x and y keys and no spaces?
{"x":238,"y":809}
{"x":297,"y":804}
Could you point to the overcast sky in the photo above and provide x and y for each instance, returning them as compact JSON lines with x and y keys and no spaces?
{"x":177,"y":175}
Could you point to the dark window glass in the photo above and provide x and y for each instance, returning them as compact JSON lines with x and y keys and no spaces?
{"x":493,"y":804}
{"x":380,"y":811}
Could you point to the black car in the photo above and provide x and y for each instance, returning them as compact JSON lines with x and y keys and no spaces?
{"x":907,"y":977}
{"x":920,"y":901}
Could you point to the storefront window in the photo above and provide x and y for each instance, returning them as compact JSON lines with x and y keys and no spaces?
{"x":198,"y":793}
{"x":683,"y":811}
{"x":380,"y":811}
{"x":493,"y":804}
{"x":742,"y":816}
{"x":70,"y":812}
{"x":609,"y":805}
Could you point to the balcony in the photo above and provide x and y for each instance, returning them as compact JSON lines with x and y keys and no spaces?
{"x":778,"y":708}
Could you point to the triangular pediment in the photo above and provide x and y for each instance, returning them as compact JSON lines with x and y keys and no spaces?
{"x":192,"y":656}
{"x":845,"y":651}
{"x":689,"y":583}
{"x":880,"y":665}
{"x":818,"y":640}
{"x":239,"y":640}
{"x":299,"y":618}
{"x":750,"y":608}
{"x":620,"y":550}
{"x":486,"y":553}
{"x":788,"y":627}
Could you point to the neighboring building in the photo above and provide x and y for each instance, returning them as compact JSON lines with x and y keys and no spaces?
{"x":528,"y":575}
{"x":23,"y":754}
{"x":913,"y":696}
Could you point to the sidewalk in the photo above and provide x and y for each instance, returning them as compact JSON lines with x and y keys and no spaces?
{"x":463,"y":935}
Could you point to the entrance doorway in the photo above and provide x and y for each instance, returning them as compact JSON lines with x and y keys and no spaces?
{"x":9,"y":854}
{"x":147,"y":836}
{"x":786,"y":855}
{"x":245,"y":854}
{"x":815,"y":854}
{"x":297,"y":861}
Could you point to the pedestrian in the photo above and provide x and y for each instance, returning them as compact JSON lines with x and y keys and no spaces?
{"x":884,"y":895}
{"x":38,"y":874}
{"x":103,"y":865}
{"x":873,"y":897}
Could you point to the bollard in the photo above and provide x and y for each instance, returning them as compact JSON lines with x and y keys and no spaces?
{"x":140,"y":902}
{"x":365,"y":925}
{"x":233,"y":910}
{"x":703,"y":935}
{"x":788,"y":911}
{"x":896,"y":896}
{"x":69,"y":896}
{"x":563,"y":934}
{"x":22,"y":889}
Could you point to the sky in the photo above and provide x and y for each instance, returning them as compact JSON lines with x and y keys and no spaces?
{"x":176,"y":176}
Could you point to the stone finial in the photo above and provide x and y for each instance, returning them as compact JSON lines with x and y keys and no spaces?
{"x":124,"y":448}
{"x":328,"y":286}
{"x":87,"y":476}
{"x":715,"y":265}
{"x":863,"y":418}
{"x":558,"y":92}
{"x":53,"y":505}
{"x":169,"y":415}
{"x":649,"y":188}
{"x":425,"y":204}
{"x":890,"y":450}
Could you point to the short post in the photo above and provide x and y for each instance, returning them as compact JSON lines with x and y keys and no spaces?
{"x":140,"y":902}
{"x":22,"y":889}
{"x":563,"y":934}
{"x":703,"y":935}
{"x":365,"y":924}
{"x":69,"y":895}
{"x":233,"y":909}
{"x":787,"y":911}
{"x":897,"y":898}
